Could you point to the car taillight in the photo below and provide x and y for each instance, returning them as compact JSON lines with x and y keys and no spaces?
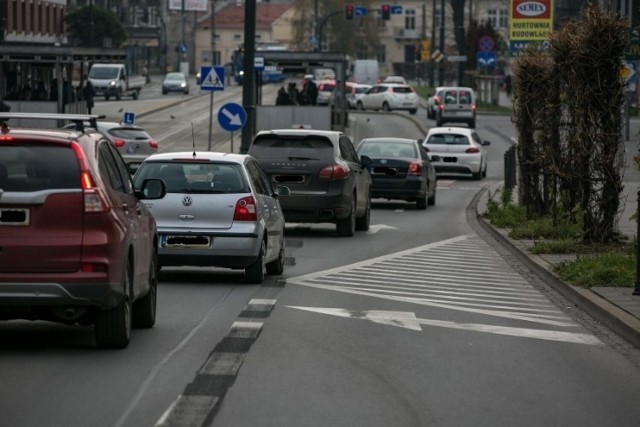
{"x":415,"y":168}
{"x":436,"y":100}
{"x":441,"y":107}
{"x":118,"y":143}
{"x":153,"y":143}
{"x":472,"y":150}
{"x":473,"y":107}
{"x":334,"y":172}
{"x":94,"y":200}
{"x":245,"y":210}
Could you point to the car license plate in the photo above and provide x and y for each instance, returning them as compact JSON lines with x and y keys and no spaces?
{"x":9,"y":216}
{"x":450,"y":159}
{"x":185,"y":241}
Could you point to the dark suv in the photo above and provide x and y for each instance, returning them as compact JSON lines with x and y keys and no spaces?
{"x":77,"y":246}
{"x":327,"y":180}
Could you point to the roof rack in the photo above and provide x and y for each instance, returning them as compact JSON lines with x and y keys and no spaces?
{"x":77,"y":119}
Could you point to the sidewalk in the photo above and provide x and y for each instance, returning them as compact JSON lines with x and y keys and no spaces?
{"x":617,"y":308}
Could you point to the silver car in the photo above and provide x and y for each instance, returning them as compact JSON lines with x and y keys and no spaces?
{"x":175,"y":82}
{"x":220,"y":210}
{"x":133,"y":142}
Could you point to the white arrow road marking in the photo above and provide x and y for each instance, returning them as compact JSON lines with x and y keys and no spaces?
{"x":408,"y":320}
{"x":234,"y":119}
{"x":373,"y":229}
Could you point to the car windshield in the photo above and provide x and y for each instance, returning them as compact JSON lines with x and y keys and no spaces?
{"x":103,"y":73}
{"x":197,"y":177}
{"x":175,"y":77}
{"x":448,"y":138}
{"x":292,"y":149}
{"x":34,"y":167}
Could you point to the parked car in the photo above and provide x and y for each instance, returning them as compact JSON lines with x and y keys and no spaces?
{"x":432,"y":103}
{"x":457,"y":150}
{"x":325,"y":89}
{"x":133,"y":142}
{"x":78,"y":245}
{"x":175,"y":82}
{"x":328,"y":181}
{"x":390,"y":96}
{"x":456,"y":105}
{"x":395,"y":79}
{"x":220,"y":210}
{"x":401,"y":170}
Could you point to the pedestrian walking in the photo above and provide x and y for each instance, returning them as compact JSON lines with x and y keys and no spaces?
{"x":88,"y":92}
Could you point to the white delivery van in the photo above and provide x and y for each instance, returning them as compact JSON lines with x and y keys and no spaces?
{"x":365,"y":71}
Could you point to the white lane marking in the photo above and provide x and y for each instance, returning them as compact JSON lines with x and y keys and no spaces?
{"x":408,"y":320}
{"x":223,"y":364}
{"x":187,"y":411}
{"x":373,"y":229}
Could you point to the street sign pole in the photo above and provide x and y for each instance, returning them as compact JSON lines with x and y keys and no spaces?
{"x":231,"y":150}
{"x":210,"y":121}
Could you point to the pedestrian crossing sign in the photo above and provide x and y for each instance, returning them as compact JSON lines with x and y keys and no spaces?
{"x":212,"y":78}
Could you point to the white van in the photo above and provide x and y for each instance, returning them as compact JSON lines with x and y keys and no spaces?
{"x":365,"y":71}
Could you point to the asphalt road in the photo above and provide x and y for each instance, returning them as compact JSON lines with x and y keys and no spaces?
{"x":421,"y":321}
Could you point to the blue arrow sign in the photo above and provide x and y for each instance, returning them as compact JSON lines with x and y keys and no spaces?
{"x":396,"y":9}
{"x":486,"y":59}
{"x":360,"y":11}
{"x":128,"y":118}
{"x":232,"y":116}
{"x":212,"y":78}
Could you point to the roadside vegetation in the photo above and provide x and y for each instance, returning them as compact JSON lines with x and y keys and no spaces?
{"x":610,"y":263}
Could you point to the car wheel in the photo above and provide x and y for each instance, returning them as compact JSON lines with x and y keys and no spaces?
{"x":113,"y":326}
{"x":413,"y":111}
{"x":254,"y":273}
{"x":164,"y":92}
{"x":276,"y":268}
{"x":135,"y":95}
{"x":144,"y":309}
{"x":347,"y":227}
{"x":477,"y":175}
{"x":421,"y":203}
{"x":118,"y":95}
{"x":359,"y":106}
{"x":385,"y":107}
{"x":362,"y":223}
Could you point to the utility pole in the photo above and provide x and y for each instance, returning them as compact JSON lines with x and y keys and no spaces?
{"x":432,"y":82}
{"x":213,"y":63}
{"x":181,"y":36}
{"x":249,"y":76}
{"x":440,"y":64}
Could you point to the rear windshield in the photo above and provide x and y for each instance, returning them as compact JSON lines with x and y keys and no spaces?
{"x":449,"y":138}
{"x":387,"y":150}
{"x":361,"y":89}
{"x":402,"y":89}
{"x":194,"y":177}
{"x":292,"y":148}
{"x":38,"y":167}
{"x":456,"y":97}
{"x":132,"y":134}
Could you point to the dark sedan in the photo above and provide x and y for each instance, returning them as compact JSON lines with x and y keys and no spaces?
{"x":401,"y":170}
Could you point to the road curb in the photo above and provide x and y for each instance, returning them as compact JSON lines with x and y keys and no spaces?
{"x":613,"y":317}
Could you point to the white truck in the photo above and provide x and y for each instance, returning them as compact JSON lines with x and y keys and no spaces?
{"x":113,"y":80}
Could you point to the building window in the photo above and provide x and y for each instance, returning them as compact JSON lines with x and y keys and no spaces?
{"x":410,"y":19}
{"x":503,"y":21}
{"x":439,"y":19}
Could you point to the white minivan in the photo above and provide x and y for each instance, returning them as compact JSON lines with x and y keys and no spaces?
{"x":365,"y":71}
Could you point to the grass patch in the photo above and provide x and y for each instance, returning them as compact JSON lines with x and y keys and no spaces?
{"x":597,"y":264}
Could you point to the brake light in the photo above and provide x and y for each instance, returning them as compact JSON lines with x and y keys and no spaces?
{"x":472,"y":150}
{"x":119,"y":143}
{"x":94,"y":200}
{"x":153,"y":143}
{"x":245,"y":210}
{"x":415,"y":168}
{"x":436,"y":100}
{"x":334,"y":172}
{"x":440,"y":107}
{"x":473,"y":107}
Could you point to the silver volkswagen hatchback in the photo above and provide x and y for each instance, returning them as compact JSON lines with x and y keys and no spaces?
{"x":220,"y":210}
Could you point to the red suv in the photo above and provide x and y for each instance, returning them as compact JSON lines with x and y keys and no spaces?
{"x":77,"y":246}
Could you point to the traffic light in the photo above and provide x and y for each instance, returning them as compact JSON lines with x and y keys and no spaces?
{"x":348,"y":12}
{"x":385,"y":12}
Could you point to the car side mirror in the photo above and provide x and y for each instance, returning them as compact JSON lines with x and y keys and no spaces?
{"x":486,"y":142}
{"x":151,"y":189}
{"x":365,"y":161}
